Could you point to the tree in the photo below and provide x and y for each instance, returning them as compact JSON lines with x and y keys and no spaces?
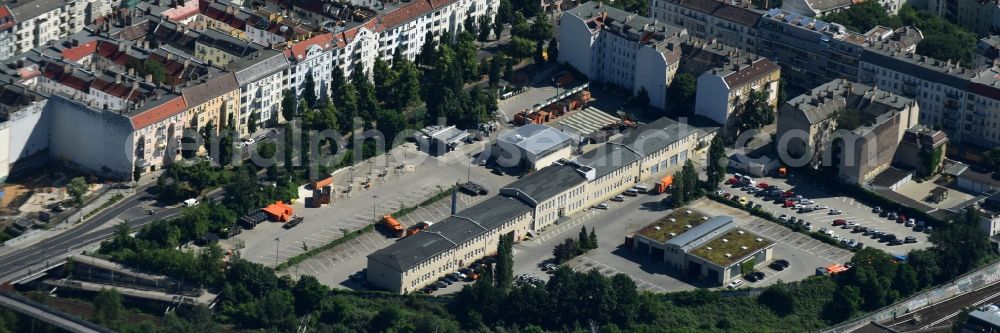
{"x":289,"y":107}
{"x":385,"y":80}
{"x":592,"y":239}
{"x":584,"y":241}
{"x":498,"y":29}
{"x":407,"y":86}
{"x":565,"y":251}
{"x":755,"y":113}
{"x":309,"y":89}
{"x":504,"y":272}
{"x":276,"y":310}
{"x":367,"y":102}
{"x":309,"y":293}
{"x":427,"y":51}
{"x":470,"y":27}
{"x":717,"y":162}
{"x":845,"y":303}
{"x":682,"y":89}
{"x":778,"y":299}
{"x":539,"y":52}
{"x":520,"y":47}
{"x":519,"y":26}
{"x":541,"y":29}
{"x":691,"y":181}
{"x":905,"y":280}
{"x":553,"y":50}
{"x":496,"y":70}
{"x":505,"y":13}
{"x":485,"y":25}
{"x":76,"y":188}
{"x":108,"y":310}
{"x":679,"y":194}
{"x":863,"y":17}
{"x":991,"y":159}
{"x":252,"y":122}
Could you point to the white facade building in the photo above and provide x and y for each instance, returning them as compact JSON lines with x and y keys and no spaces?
{"x":612,"y":46}
{"x":37,"y":22}
{"x":312,"y":56}
{"x":262,"y":80}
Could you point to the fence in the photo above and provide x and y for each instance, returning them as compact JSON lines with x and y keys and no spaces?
{"x":969,"y":282}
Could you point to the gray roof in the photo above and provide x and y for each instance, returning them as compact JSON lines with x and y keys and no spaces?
{"x":28,"y":9}
{"x":702,"y":233}
{"x":609,"y":157}
{"x":627,"y":25}
{"x":654,"y":136}
{"x":229,"y":44}
{"x":547,"y":182}
{"x":212,"y":88}
{"x":536,"y":139}
{"x":827,"y":5}
{"x":889,"y":177}
{"x":450,"y":232}
{"x":933,"y":70}
{"x":989,"y":314}
{"x":262,"y":64}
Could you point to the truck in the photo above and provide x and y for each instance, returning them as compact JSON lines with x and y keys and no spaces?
{"x":393,"y":225}
{"x":417,"y":228}
{"x":320,"y":183}
{"x":664,"y":184}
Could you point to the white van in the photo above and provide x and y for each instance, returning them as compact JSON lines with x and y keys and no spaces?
{"x":642,"y":188}
{"x":191,"y":202}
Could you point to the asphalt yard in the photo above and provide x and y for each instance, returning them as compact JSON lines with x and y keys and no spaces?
{"x":334,"y":266}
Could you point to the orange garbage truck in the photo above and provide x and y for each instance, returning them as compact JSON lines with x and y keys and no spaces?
{"x":278,"y":211}
{"x":393,"y":225}
{"x":664,"y":184}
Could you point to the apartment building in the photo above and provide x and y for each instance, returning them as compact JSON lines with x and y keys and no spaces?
{"x":723,"y":92}
{"x":261,"y":78}
{"x":849,"y":126}
{"x":626,"y":50}
{"x":986,"y":52}
{"x":27,"y":24}
{"x":313,"y":56}
{"x":267,"y":28}
{"x":817,"y":8}
{"x":22,"y":139}
{"x":224,"y":16}
{"x":219,"y":48}
{"x":710,"y":20}
{"x":963,"y":102}
{"x":213,"y":101}
{"x":981,"y":17}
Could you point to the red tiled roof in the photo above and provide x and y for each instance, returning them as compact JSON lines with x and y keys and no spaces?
{"x":410,"y":11}
{"x":74,"y":54}
{"x":121,"y":90}
{"x":58,"y":73}
{"x":6,"y":18}
{"x":299,"y":50}
{"x":221,"y":15}
{"x":159,"y":113}
{"x":180,"y":13}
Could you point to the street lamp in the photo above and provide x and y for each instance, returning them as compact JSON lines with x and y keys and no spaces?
{"x":374,"y":213}
{"x":277,"y":240}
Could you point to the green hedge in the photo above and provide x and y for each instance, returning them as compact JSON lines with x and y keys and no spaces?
{"x":770,"y":217}
{"x":314,"y":251}
{"x":354,"y":234}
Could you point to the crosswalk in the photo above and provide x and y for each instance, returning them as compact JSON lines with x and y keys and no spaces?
{"x":585,"y":121}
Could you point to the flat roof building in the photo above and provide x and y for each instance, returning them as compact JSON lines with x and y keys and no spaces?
{"x":532,"y":147}
{"x":713,"y":249}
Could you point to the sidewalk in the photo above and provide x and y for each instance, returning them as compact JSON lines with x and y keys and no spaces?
{"x":36,"y":235}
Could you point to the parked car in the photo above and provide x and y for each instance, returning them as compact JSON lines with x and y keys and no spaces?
{"x":783,"y":218}
{"x":618,"y":198}
{"x":928,"y":229}
{"x":857,"y":229}
{"x":603,"y":205}
{"x":808,"y":226}
{"x":834,"y":212}
{"x":735,"y":284}
{"x":754,"y":276}
{"x":631,"y":192}
{"x":779,"y":265}
{"x":877,"y":210}
{"x":839,"y":222}
{"x":910,"y":223}
{"x":911,"y":239}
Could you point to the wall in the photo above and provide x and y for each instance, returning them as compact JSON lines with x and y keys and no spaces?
{"x":653,"y":73}
{"x":25,"y":133}
{"x":90,"y":139}
{"x":569,"y":203}
{"x":712,"y":98}
{"x":575,"y":42}
{"x":547,"y":160}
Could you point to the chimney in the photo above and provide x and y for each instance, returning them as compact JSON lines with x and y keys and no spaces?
{"x":131,"y":71}
{"x":149,"y":78}
{"x":118,"y":78}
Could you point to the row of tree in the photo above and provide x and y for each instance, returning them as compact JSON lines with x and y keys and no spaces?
{"x":570,"y":248}
{"x":686,"y":186}
{"x":942,"y":39}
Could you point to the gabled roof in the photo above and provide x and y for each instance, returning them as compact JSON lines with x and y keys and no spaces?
{"x":298,"y":50}
{"x":546,"y":183}
{"x":410,"y":12}
{"x":74,"y":54}
{"x":217,"y":86}
{"x":159,"y":113}
{"x":226,"y":43}
{"x":450,"y":232}
{"x":262,"y":64}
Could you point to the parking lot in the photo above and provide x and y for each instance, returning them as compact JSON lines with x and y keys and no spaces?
{"x":851,"y":211}
{"x":334,"y":267}
{"x":365,"y":206}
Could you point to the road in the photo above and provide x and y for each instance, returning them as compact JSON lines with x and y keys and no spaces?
{"x":19,"y":263}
